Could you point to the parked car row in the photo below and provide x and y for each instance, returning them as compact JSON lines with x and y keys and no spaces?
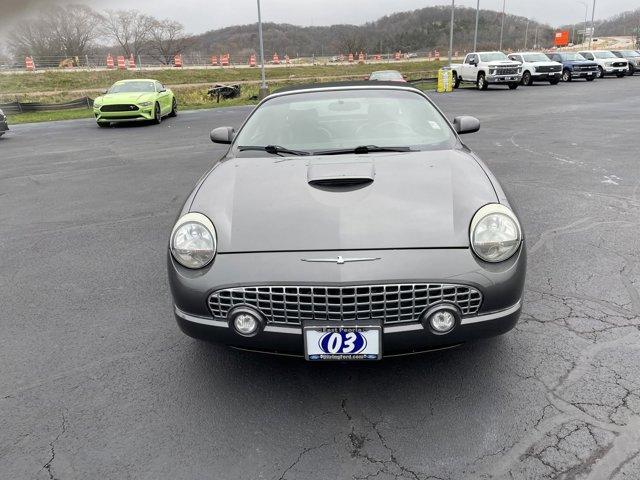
{"x":525,"y":68}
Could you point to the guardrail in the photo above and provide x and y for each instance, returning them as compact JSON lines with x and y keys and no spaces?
{"x":21,"y":107}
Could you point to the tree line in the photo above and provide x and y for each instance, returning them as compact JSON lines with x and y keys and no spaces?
{"x":60,"y":32}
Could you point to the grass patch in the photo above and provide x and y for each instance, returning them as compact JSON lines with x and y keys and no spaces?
{"x":48,"y":81}
{"x":189,"y":98}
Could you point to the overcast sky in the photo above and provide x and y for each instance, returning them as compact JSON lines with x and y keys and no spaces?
{"x":201,"y":15}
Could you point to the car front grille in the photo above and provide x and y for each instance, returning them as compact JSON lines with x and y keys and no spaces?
{"x":619,"y":64}
{"x":119,"y":108}
{"x":507,"y":71}
{"x":588,"y":68}
{"x":548,"y":68}
{"x":392,"y":304}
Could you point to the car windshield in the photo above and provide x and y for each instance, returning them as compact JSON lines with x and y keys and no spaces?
{"x":604,"y":55}
{"x":572,"y":56}
{"x":493,"y":57}
{"x":125,"y":87}
{"x":386,"y":75}
{"x":347,"y":119}
{"x":535,"y":57}
{"x":630,"y":53}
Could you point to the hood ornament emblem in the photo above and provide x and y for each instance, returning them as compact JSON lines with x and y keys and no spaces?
{"x":340,"y":260}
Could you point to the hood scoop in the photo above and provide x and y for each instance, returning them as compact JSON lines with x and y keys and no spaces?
{"x":340,"y":175}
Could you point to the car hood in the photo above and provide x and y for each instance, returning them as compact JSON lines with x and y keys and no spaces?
{"x":416,"y":200}
{"x":128,"y":97}
{"x":504,"y":63}
{"x":546,"y":64}
{"x":587,"y":63}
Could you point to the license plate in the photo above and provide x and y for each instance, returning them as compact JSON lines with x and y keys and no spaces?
{"x":342,"y":342}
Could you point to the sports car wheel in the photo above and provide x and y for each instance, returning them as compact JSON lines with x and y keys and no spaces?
{"x":600,"y":72}
{"x":174,"y":108}
{"x":566,"y":75}
{"x":157,"y":115}
{"x":104,"y":124}
{"x":527,"y":79}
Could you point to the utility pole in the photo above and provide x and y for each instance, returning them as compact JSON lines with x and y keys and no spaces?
{"x":593,"y":26}
{"x":264,"y":91}
{"x":453,"y":7}
{"x":535,"y":42}
{"x":502,"y":25}
{"x":526,"y":34}
{"x":586,"y":12}
{"x":475,"y":36}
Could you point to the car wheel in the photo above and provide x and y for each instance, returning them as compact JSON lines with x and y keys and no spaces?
{"x":174,"y":108}
{"x":513,"y":86}
{"x":456,"y":80}
{"x":555,"y":81}
{"x":482,"y":82}
{"x":600,"y":72}
{"x":104,"y":124}
{"x":157,"y":115}
{"x":527,"y":79}
{"x":566,"y":75}
{"x":631,"y":70}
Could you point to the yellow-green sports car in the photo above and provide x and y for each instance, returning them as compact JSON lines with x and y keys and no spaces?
{"x":134,"y":101}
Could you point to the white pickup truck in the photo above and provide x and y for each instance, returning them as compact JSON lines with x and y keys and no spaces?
{"x":487,"y":68}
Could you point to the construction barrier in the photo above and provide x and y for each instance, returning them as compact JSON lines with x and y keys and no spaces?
{"x":361,"y":58}
{"x":276,"y":59}
{"x":436,"y":54}
{"x":252,"y":60}
{"x":397,"y":55}
{"x":121,"y":64}
{"x":445,"y":80}
{"x":351,"y":58}
{"x":214,"y":60}
{"x":177,"y":61}
{"x":224,"y":60}
{"x":377,"y":57}
{"x":29,"y":63}
{"x":110,"y":64}
{"x":132,"y":62}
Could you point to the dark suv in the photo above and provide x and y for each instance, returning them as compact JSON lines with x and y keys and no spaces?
{"x":632,"y":56}
{"x":575,"y":65}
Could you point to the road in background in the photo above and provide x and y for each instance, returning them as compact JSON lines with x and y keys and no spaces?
{"x":97,"y":381}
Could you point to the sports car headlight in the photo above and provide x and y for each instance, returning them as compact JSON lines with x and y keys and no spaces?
{"x":145,"y":104}
{"x":193,"y":241}
{"x":495,"y":233}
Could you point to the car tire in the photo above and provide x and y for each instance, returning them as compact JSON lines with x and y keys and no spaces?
{"x":566,"y":75}
{"x":590,"y":79}
{"x":513,"y":86}
{"x":104,"y":124}
{"x":555,"y":81}
{"x":631,"y":71}
{"x":482,"y":82}
{"x":600,"y":72}
{"x":174,"y":108}
{"x":527,"y":79}
{"x":157,"y":114}
{"x":456,"y":80}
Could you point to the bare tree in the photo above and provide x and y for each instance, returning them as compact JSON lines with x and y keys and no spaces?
{"x":166,"y":40}
{"x":57,"y":32}
{"x":129,"y":29}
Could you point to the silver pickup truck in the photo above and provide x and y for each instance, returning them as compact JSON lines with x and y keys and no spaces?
{"x":487,"y":68}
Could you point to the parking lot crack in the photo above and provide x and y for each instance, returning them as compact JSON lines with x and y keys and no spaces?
{"x":48,"y":467}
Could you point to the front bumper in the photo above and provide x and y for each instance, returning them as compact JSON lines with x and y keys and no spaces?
{"x":501,"y":287}
{"x":546,"y":75}
{"x":141,"y":115}
{"x":615,"y":70}
{"x":584,"y":74}
{"x":504,"y":78}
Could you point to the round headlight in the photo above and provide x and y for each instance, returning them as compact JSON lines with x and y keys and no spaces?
{"x":193,"y":241}
{"x":495,"y":233}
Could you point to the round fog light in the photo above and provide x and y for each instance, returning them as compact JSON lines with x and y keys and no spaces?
{"x":441,"y":319}
{"x":245,"y":321}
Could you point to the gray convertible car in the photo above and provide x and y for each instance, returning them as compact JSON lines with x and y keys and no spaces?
{"x":347,"y":222}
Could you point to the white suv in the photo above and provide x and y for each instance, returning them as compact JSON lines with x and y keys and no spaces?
{"x":536,"y":67}
{"x":608,"y":63}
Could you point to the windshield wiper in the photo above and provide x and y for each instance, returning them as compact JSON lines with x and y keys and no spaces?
{"x":363,"y":149}
{"x":273,"y":149}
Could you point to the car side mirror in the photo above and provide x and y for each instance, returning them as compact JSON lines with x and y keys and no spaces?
{"x":466,"y":124}
{"x":104,"y":92}
{"x":222,"y":135}
{"x":162,"y":90}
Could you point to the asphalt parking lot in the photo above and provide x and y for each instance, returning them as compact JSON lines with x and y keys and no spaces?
{"x":97,"y":381}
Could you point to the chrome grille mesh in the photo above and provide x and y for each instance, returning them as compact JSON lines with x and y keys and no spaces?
{"x":507,"y":71}
{"x":390,"y":303}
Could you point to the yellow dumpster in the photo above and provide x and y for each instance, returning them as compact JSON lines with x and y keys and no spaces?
{"x":445,"y":80}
